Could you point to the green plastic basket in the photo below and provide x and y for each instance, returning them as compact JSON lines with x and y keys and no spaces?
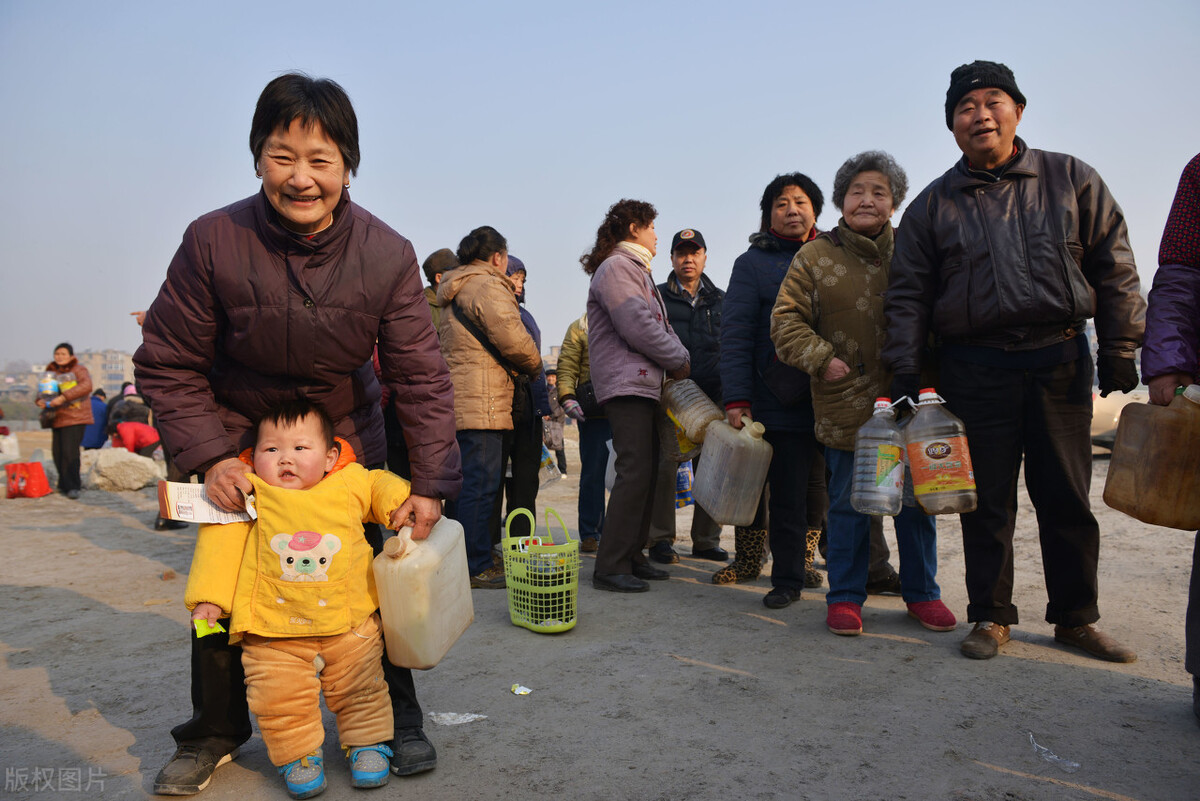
{"x":543,"y":580}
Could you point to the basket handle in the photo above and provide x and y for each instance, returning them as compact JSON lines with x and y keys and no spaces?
{"x":562,"y":525}
{"x":522,"y":511}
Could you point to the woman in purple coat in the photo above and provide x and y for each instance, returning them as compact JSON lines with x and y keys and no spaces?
{"x":631,"y":346}
{"x":1171,"y":353}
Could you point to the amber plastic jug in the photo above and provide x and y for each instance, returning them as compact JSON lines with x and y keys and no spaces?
{"x":688,"y":404}
{"x":424,"y":594}
{"x":1154,"y":474}
{"x":730,"y":478}
{"x":943,"y":478}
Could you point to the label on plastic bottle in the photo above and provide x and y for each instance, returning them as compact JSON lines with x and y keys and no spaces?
{"x":941,"y":465}
{"x":889,"y":469}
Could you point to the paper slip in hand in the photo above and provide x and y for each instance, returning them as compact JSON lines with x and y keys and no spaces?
{"x":188,"y":502}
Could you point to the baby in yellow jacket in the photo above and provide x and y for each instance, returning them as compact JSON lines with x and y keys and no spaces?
{"x":299,"y":587}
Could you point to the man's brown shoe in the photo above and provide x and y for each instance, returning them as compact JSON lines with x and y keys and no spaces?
{"x":985,"y":640}
{"x":1095,"y":642}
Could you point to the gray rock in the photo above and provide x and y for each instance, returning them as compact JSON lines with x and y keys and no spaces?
{"x":116,"y":470}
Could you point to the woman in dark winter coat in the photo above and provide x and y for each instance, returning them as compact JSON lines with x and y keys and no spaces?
{"x":72,"y":414}
{"x":757,"y":386}
{"x":284,"y":295}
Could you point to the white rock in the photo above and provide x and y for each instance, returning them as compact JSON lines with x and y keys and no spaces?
{"x":116,"y":469}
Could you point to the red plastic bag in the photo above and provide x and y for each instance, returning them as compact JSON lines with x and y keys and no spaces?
{"x":26,"y":480}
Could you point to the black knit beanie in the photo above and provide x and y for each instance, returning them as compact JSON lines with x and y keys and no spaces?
{"x":979,"y":75}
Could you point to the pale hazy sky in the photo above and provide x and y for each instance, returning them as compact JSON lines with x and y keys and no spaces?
{"x":124,"y":121}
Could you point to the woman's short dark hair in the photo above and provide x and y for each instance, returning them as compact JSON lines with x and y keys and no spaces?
{"x":312,"y":100}
{"x":775,"y":189}
{"x":871,"y":161}
{"x":66,"y":346}
{"x":291,"y":412}
{"x":615,"y":228}
{"x":482,"y":243}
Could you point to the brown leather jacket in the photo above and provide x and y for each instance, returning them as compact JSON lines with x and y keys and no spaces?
{"x":77,"y":411}
{"x":251,"y":314}
{"x":1013,"y":263}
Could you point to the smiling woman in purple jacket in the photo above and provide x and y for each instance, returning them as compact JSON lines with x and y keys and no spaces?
{"x":631,"y":346}
{"x":284,"y":295}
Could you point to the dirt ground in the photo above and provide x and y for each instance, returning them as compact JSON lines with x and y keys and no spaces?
{"x":689,"y":691}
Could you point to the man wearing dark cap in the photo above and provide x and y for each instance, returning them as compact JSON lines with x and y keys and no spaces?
{"x":1003,"y":259}
{"x":693,"y":304}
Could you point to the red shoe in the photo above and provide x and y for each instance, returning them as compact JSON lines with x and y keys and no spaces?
{"x":844,"y":618}
{"x":933,"y":615}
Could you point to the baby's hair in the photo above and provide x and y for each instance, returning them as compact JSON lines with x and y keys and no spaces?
{"x":293,"y":411}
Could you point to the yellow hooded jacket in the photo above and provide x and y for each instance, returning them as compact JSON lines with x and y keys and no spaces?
{"x":303,"y":569}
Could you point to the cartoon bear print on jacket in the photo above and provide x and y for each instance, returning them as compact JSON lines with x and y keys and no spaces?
{"x":305,"y":555}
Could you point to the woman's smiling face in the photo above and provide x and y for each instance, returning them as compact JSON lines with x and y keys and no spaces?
{"x":303,"y":174}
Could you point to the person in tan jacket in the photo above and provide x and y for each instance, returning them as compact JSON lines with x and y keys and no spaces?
{"x":488,"y":350}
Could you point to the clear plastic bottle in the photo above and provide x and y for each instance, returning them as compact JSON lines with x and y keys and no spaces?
{"x":877,"y":487}
{"x":943,"y":478}
{"x":691,"y":407}
{"x":48,"y":385}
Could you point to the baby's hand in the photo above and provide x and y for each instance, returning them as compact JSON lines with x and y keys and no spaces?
{"x":206,"y":611}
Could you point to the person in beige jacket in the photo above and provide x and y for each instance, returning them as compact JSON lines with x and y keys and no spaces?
{"x":487,"y":349}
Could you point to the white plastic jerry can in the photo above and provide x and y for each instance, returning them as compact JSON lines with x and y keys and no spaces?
{"x":424,"y":594}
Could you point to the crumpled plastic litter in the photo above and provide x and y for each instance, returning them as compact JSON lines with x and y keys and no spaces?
{"x":517,"y":689}
{"x":1048,"y":755}
{"x":455,"y":718}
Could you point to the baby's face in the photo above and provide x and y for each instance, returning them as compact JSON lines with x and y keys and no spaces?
{"x":293,"y":456}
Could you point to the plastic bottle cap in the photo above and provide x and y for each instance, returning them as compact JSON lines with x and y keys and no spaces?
{"x":1192,"y":393}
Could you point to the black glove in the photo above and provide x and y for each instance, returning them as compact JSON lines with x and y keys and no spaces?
{"x":906,"y":384}
{"x":1116,"y":372}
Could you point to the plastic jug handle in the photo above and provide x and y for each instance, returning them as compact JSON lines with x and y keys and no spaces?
{"x":397,"y":546}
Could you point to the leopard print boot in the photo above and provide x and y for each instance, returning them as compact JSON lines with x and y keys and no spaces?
{"x":812,"y":576}
{"x":748,"y":544}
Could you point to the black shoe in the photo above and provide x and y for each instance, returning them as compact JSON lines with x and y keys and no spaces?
{"x":779,"y":597}
{"x":190,"y":770}
{"x":618,"y":582}
{"x":888,"y":585}
{"x":717,"y":554}
{"x":1196,"y":697}
{"x":73,"y":494}
{"x":412,"y":752}
{"x":649,"y":572}
{"x":663,"y":553}
{"x":165,"y":524}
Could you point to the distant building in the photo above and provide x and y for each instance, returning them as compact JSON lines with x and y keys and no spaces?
{"x":109,"y":368}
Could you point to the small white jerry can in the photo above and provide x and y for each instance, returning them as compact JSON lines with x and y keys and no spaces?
{"x":424,"y":594}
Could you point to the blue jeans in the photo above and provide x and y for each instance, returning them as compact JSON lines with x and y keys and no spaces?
{"x":482,"y":470}
{"x":850,"y":542}
{"x":594,"y":435}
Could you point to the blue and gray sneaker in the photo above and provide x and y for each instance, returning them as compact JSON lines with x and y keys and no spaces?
{"x":305,"y":777}
{"x":369,"y":766}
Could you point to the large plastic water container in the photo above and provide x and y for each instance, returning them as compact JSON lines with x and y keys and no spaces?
{"x":877,"y":487}
{"x":691,"y":407}
{"x":943,"y":478}
{"x":424,"y":594}
{"x":1154,"y":474}
{"x":731,"y":475}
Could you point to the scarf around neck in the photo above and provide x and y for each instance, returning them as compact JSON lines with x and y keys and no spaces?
{"x":638,"y":252}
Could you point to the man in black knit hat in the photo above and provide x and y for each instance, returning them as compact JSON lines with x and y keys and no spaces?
{"x":1003,"y":259}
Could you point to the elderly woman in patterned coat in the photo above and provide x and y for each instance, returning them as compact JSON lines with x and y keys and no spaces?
{"x":828,"y":321}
